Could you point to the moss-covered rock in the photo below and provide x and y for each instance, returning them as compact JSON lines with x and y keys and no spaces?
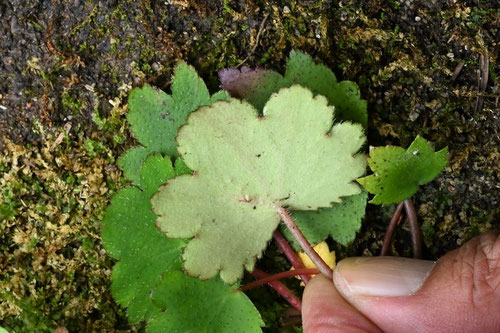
{"x":72,"y":63}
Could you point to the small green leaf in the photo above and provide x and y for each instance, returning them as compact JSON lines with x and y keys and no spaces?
{"x":256,"y":86}
{"x":341,"y":221}
{"x":399,"y":172}
{"x":129,"y":234}
{"x":155,"y":116}
{"x":191,"y":305}
{"x":246,"y":167}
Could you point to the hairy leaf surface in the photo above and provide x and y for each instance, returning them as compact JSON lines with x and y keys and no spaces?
{"x":246,"y":167}
{"x":129,"y":234}
{"x":257,"y":85}
{"x":191,"y":305}
{"x":399,"y":172}
{"x":155,"y":116}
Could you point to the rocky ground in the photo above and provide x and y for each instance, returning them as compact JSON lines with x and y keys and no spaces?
{"x":66,"y":67}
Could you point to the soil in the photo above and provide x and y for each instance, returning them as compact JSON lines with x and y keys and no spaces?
{"x":426,"y":68}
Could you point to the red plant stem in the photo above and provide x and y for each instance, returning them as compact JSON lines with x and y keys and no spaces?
{"x":395,"y":219}
{"x":416,"y":234}
{"x":290,"y":254}
{"x":279,"y":287}
{"x":270,"y":278}
{"x":304,"y":244}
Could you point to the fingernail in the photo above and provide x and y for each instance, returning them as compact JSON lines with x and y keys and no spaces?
{"x":382,"y":276}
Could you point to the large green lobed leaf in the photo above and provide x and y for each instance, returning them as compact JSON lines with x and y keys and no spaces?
{"x":155,"y":116}
{"x":246,"y":167}
{"x":191,"y":305}
{"x":399,"y":172}
{"x":129,"y":234}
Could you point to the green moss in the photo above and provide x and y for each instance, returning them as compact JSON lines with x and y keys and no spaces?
{"x":93,"y":148}
{"x":61,"y":203}
{"x":227,"y":8}
{"x":8,"y":210}
{"x":70,"y":102}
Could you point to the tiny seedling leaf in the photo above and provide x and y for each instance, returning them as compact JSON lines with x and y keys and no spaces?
{"x":399,"y":172}
{"x":191,"y":305}
{"x":246,"y":167}
{"x":256,"y":86}
{"x":155,"y":116}
{"x":129,"y":234}
{"x":341,"y":221}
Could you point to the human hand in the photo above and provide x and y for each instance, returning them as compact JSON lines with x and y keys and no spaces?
{"x":460,"y":293}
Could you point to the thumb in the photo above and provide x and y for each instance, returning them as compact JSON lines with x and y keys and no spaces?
{"x":460,"y":293}
{"x":324,"y":310}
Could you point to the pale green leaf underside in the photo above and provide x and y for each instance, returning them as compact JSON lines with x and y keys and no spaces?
{"x":341,"y":221}
{"x":399,"y":172}
{"x":129,"y":234}
{"x":155,"y":116}
{"x":246,"y":167}
{"x":191,"y":305}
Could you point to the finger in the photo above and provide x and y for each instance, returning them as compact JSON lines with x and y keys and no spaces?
{"x":461,"y":293}
{"x":324,"y":310}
